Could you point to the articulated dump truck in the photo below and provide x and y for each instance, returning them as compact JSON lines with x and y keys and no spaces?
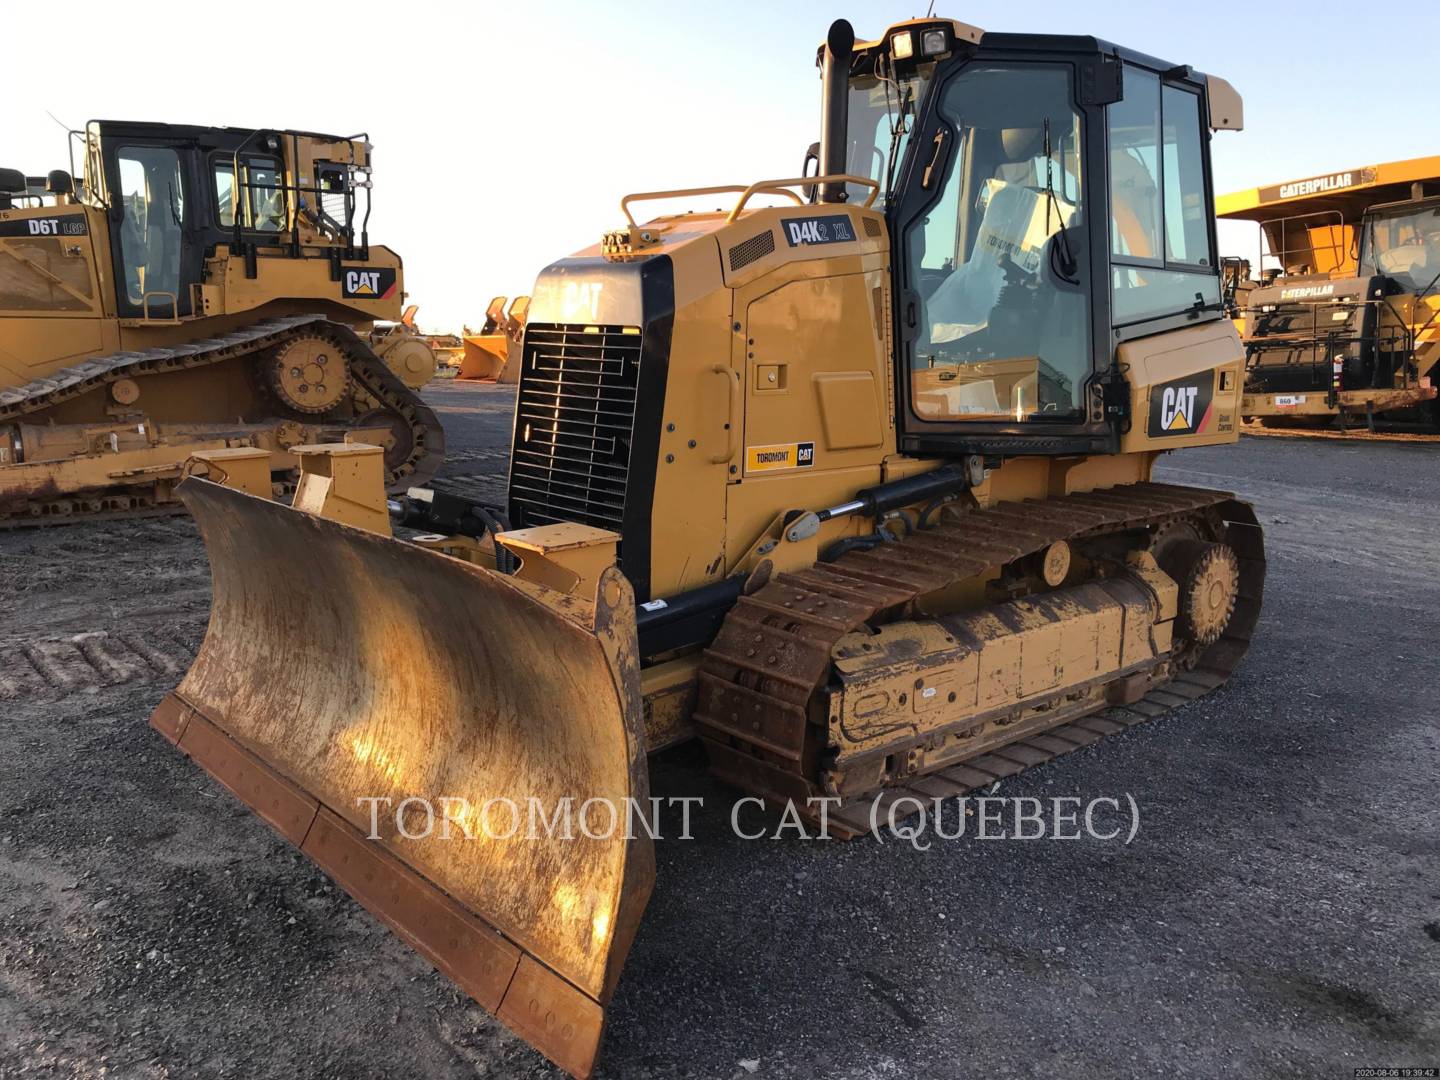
{"x":855,"y":489}
{"x":196,"y":289}
{"x":1344,"y":323}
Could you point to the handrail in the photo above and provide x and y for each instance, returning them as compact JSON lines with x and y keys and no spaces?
{"x":674,"y":194}
{"x":174,"y":305}
{"x":1283,"y":255}
{"x":775,"y":187}
{"x":782,"y":187}
{"x":732,"y":429}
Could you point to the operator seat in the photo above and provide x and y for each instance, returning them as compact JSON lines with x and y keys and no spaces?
{"x":962,"y":302}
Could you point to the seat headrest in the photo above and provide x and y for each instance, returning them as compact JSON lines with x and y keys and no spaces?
{"x":1021,"y":144}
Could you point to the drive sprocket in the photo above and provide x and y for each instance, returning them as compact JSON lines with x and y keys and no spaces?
{"x":309,"y":373}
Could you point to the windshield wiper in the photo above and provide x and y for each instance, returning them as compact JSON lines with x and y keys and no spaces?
{"x":897,"y":129}
{"x":1069,"y":265}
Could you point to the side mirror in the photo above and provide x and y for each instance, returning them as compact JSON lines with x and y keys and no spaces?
{"x":811,"y":155}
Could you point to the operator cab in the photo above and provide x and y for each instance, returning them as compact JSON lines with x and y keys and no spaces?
{"x":1401,"y":241}
{"x":175,"y":193}
{"x":1048,"y":197}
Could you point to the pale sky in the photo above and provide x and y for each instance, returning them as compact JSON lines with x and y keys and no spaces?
{"x":505,"y":134}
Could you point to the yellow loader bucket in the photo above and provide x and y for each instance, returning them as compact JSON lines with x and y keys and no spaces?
{"x":486,"y":358}
{"x":344,"y":673}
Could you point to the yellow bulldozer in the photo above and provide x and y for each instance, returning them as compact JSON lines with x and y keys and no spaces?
{"x":197,"y":288}
{"x":1344,"y":321}
{"x":856,"y":489}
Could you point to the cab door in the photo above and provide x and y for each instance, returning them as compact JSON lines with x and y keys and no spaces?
{"x":998,"y":330}
{"x":151,"y":211}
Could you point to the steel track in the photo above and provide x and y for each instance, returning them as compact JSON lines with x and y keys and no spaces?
{"x":764,"y":679}
{"x":366,"y":369}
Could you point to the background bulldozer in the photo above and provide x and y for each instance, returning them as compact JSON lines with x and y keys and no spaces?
{"x":855,"y":489}
{"x":198,"y":288}
{"x":1344,"y":321}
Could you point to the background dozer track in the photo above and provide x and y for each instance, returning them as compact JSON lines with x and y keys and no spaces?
{"x":369,"y":397}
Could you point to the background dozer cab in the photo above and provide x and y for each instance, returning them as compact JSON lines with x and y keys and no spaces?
{"x":198,"y":288}
{"x":856,"y":489}
{"x":1345,"y":318}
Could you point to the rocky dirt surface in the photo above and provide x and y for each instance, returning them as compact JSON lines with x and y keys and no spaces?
{"x":1278,"y":913}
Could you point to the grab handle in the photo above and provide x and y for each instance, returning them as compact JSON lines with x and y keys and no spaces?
{"x":731,"y":428}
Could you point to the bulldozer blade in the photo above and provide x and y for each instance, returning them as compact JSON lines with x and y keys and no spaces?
{"x":391,"y":711}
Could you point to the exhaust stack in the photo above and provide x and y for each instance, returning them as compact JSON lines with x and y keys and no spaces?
{"x":835,"y":106}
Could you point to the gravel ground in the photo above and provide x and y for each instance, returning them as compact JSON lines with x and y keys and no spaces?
{"x":1278,"y":913}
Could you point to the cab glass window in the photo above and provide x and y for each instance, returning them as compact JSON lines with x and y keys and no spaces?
{"x":1160,"y":252}
{"x":880,"y":115}
{"x":1004,"y":331}
{"x":264,"y":200}
{"x":260,"y":200}
{"x":1187,"y":226}
{"x":225,"y":194}
{"x":152,"y":223}
{"x":1405,"y":247}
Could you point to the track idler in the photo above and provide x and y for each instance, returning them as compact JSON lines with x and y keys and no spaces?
{"x":1209,"y":578}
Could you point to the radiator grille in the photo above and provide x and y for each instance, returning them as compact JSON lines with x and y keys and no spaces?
{"x":747,"y":251}
{"x":1293,"y":346}
{"x":872,"y":228}
{"x":574,"y":422}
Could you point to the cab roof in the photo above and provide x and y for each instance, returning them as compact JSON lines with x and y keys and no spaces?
{"x":1226,"y":110}
{"x":198,"y":132}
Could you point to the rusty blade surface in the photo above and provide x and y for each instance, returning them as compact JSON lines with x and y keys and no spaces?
{"x":356,"y":667}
